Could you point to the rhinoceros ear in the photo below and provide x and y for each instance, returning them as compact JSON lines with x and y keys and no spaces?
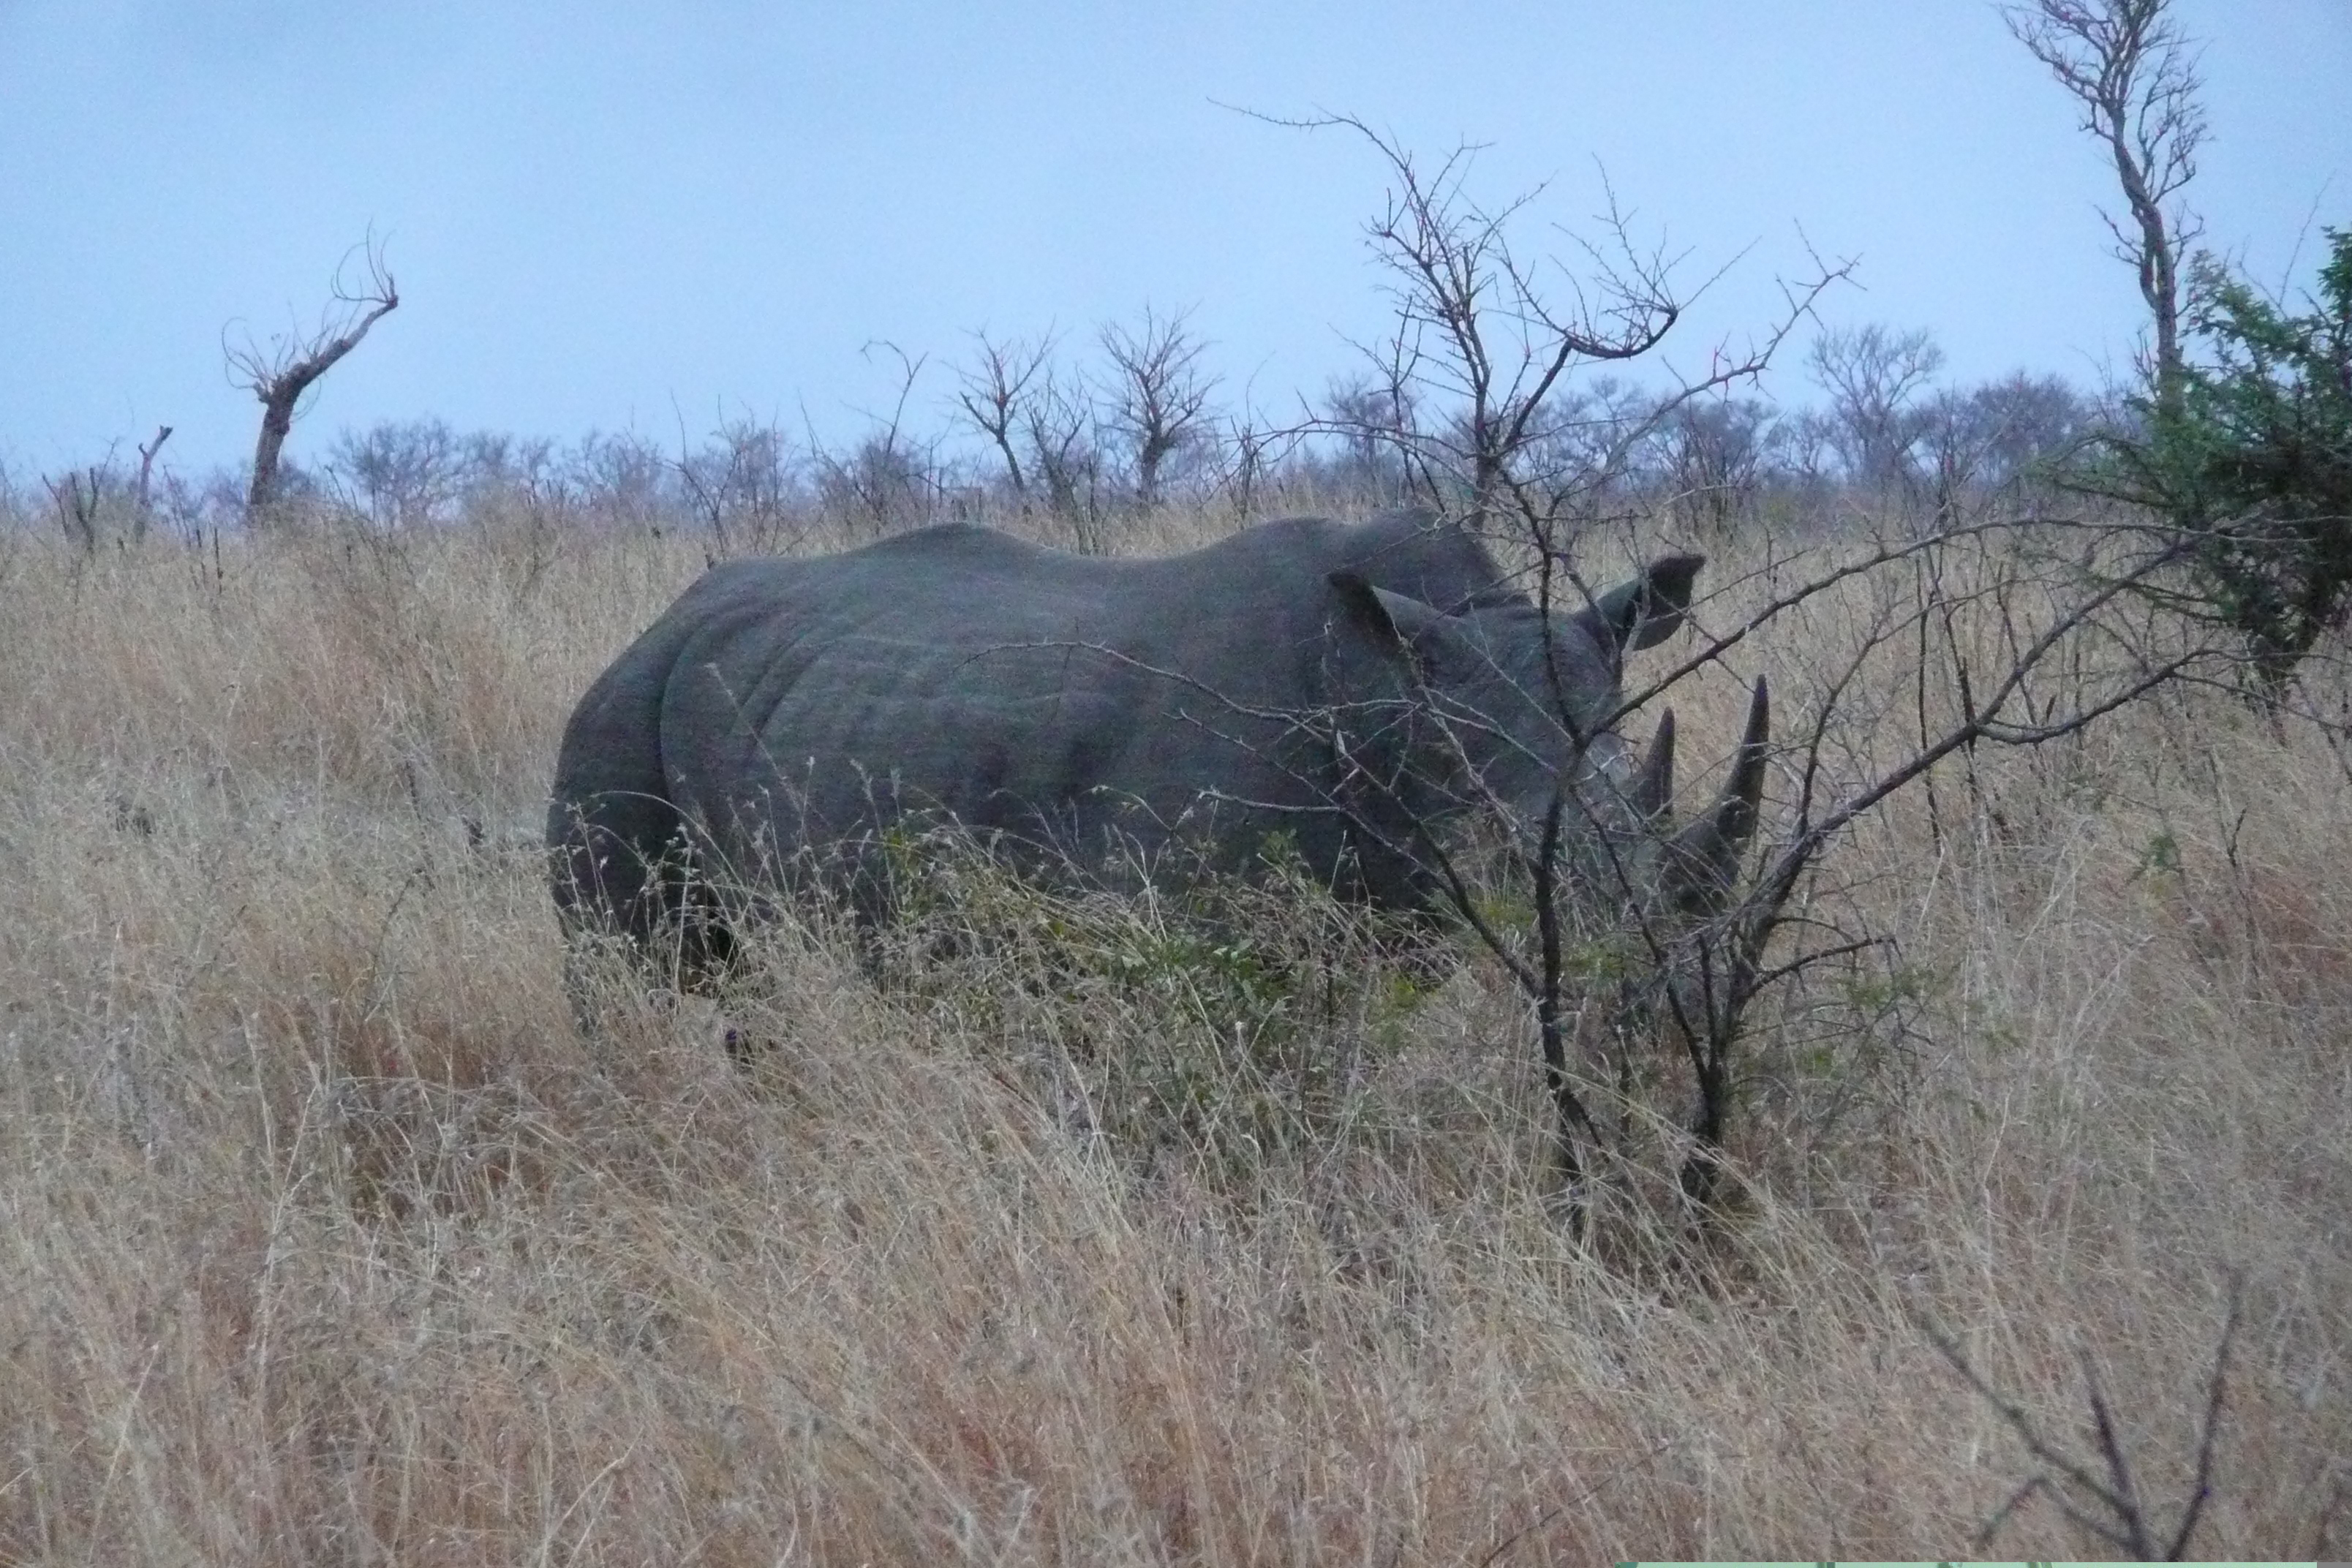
{"x":1649,"y":609}
{"x":1394,"y":620}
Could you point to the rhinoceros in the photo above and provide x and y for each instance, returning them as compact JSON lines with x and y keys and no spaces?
{"x":1348,"y":688}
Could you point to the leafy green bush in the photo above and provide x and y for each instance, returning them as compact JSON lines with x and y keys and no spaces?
{"x":2253,"y":455}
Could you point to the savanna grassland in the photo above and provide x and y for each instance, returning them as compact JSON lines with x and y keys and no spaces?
{"x":326,"y":1236}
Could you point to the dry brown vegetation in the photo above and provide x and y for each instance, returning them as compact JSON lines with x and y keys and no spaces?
{"x":324,"y":1236}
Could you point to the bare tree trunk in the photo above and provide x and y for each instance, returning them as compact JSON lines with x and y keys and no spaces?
{"x":277,"y":423}
{"x":146,"y":471}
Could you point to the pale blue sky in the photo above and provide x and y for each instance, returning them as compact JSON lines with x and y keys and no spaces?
{"x":612,"y":215}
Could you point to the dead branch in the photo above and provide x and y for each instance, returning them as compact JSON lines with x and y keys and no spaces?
{"x":2106,"y":1506}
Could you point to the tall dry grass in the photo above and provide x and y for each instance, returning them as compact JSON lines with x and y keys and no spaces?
{"x":326,"y":1237}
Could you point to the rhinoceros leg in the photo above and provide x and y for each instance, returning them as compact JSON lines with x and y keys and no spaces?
{"x":622,"y":861}
{"x":625,"y":884}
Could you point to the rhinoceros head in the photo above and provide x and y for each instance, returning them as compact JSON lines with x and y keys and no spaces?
{"x":1510,"y":710}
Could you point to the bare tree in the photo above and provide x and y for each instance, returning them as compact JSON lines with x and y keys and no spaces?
{"x":1485,"y":351}
{"x":2007,"y":636}
{"x":1874,"y":378}
{"x":741,"y":484}
{"x":1245,"y":454}
{"x":1803,"y":451}
{"x":495,"y":469}
{"x":406,"y":471}
{"x":1473,"y":325}
{"x":281,"y":372}
{"x":995,"y":391}
{"x":1473,"y":392}
{"x":1711,"y":454}
{"x":98,"y":500}
{"x":888,"y":480}
{"x":2025,"y":422}
{"x":1065,"y":453}
{"x":2135,"y":77}
{"x":1997,"y":636}
{"x":77,"y":500}
{"x":1158,"y":396}
{"x":1373,"y":419}
{"x":620,"y":476}
{"x":1992,"y":438}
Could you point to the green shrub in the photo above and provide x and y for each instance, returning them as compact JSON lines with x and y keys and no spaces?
{"x":2252,"y":457}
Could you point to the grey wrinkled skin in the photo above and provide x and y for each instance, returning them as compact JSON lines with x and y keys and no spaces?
{"x":1349,"y":686}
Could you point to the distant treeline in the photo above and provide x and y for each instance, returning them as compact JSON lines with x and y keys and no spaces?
{"x":1024,"y":430}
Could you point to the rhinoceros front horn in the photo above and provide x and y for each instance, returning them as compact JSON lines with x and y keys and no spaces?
{"x":1654,"y":786}
{"x":1702,"y":864}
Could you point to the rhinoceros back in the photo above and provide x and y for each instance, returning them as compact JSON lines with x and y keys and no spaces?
{"x":1071,"y":702}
